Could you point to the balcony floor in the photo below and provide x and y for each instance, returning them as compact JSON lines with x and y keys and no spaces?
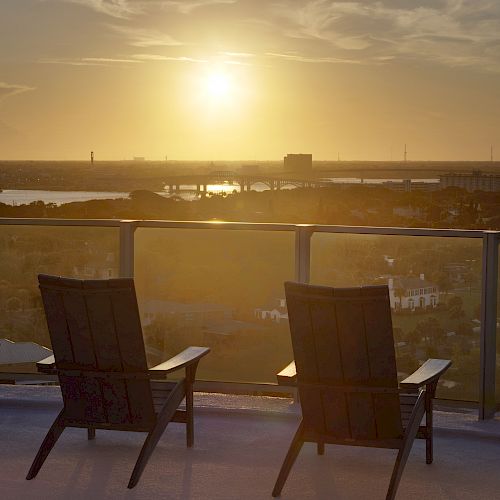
{"x":237,"y":455}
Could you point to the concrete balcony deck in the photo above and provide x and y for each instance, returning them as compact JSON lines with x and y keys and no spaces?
{"x":240,"y":443}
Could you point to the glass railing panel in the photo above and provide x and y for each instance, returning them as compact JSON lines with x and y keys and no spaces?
{"x":435,"y":284}
{"x":217,"y":288}
{"x":497,"y":373}
{"x":26,"y":251}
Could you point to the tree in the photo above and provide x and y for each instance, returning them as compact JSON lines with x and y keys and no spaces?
{"x":470,"y":278}
{"x":428,"y":330}
{"x":477,"y":311}
{"x":465,"y":329}
{"x":455,"y":308}
{"x":399,"y":292}
{"x":442,"y":280}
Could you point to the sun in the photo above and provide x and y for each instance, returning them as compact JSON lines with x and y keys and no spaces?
{"x":218,"y":92}
{"x":218,"y":86}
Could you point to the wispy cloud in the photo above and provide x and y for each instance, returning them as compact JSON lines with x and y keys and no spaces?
{"x":12,"y":89}
{"x":244,"y":55}
{"x":305,"y":59}
{"x":125,"y":9}
{"x":223,"y":60}
{"x":449,"y":32}
{"x":88,"y":61}
{"x":141,"y":37}
{"x":108,"y":60}
{"x":187,"y":6}
{"x":158,"y":57}
{"x":446,"y":32}
{"x":114,"y":8}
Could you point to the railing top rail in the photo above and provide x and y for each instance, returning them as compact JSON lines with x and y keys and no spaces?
{"x":250,"y":226}
{"x":19,"y":221}
{"x":403,"y":231}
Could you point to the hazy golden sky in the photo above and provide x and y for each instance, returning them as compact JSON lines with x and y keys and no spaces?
{"x":249,"y":79}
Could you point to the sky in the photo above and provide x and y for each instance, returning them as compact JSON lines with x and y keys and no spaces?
{"x":249,"y":79}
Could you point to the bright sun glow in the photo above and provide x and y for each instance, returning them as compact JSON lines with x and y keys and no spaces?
{"x":218,"y":86}
{"x":218,"y":94}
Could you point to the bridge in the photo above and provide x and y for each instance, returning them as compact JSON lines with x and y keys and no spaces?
{"x":245,"y":182}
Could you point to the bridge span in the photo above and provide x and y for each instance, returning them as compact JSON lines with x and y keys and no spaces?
{"x":244,"y":181}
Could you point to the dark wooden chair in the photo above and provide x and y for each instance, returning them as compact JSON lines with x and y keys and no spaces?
{"x":345,"y":372}
{"x":100,"y":359}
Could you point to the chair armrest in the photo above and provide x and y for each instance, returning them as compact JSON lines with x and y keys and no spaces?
{"x":47,"y":365}
{"x":183,"y":359}
{"x":428,"y":373}
{"x":288,"y":376}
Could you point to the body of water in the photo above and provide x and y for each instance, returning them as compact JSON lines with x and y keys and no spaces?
{"x":187,"y":192}
{"x":26,"y":196}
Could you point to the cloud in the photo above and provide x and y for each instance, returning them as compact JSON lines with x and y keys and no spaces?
{"x":126,"y":9}
{"x":448,"y":32}
{"x":107,"y":60}
{"x":233,"y":55}
{"x":88,"y":61}
{"x":186,"y":6}
{"x":10,"y":89}
{"x":141,"y":37}
{"x":237,"y":54}
{"x":114,"y":8}
{"x":157,"y":57}
{"x":301,"y":58}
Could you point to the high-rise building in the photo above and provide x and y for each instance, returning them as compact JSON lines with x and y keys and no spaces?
{"x":300,"y":163}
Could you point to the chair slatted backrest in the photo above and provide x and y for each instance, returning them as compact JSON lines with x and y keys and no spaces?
{"x":94,"y":326}
{"x":346,"y":366}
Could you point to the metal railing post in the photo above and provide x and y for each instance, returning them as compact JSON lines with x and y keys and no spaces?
{"x":487,"y":398}
{"x":127,"y":230}
{"x":303,"y":233}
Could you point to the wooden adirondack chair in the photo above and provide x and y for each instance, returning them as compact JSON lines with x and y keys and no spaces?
{"x":345,"y":372}
{"x":100,"y":359}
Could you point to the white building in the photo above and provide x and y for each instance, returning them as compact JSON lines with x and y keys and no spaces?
{"x":275,"y":312}
{"x":410,"y":293}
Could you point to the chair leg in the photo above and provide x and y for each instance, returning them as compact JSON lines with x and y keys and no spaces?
{"x":189,"y":416}
{"x":190,"y":377}
{"x":47,"y":445}
{"x":404,"y":451}
{"x":290,"y":458}
{"x":428,"y":429}
{"x":90,"y":433}
{"x":164,"y":417}
{"x":321,"y":448}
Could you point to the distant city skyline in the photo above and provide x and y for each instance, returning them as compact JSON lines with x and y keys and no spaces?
{"x":250,"y":80}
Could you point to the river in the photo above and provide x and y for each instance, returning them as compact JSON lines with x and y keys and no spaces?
{"x":26,"y":196}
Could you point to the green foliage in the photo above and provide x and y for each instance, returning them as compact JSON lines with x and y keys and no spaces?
{"x":455,"y":307}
